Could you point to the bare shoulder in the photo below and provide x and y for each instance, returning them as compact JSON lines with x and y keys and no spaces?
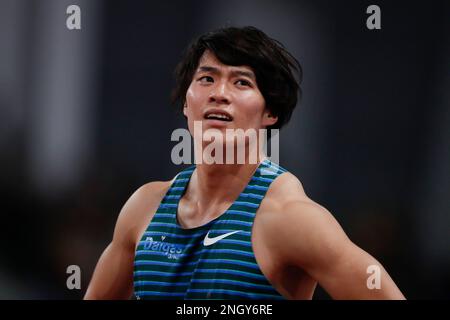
{"x":139,"y":210}
{"x":285,"y":189}
{"x":151,"y":191}
{"x":288,"y":213}
{"x":145,"y":197}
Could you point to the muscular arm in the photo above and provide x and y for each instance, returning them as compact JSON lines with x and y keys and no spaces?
{"x":306,"y":236}
{"x":113,"y":275}
{"x":318,"y":245}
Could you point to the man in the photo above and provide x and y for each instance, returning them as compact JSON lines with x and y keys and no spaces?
{"x":241,"y":230}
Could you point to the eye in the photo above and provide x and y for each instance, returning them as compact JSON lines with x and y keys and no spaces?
{"x":206,"y":79}
{"x":243,"y":82}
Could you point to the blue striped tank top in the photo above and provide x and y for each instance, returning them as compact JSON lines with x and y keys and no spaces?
{"x":213,"y":261}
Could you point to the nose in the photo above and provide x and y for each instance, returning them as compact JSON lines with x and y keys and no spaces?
{"x":219,"y":94}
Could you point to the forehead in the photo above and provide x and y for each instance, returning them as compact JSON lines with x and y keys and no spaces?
{"x":209,"y":59}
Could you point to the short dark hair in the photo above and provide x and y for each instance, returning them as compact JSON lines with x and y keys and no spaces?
{"x":272,"y":64}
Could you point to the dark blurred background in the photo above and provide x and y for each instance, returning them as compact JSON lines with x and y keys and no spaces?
{"x":85,"y":119}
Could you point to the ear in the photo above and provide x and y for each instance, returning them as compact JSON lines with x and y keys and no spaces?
{"x":184,"y":109}
{"x":269,"y":119}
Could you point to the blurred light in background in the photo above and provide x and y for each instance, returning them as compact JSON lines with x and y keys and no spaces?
{"x":85,"y":119}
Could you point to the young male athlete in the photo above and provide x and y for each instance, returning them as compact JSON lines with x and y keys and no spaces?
{"x":241,"y":230}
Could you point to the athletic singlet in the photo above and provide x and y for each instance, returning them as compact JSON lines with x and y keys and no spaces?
{"x":213,"y":261}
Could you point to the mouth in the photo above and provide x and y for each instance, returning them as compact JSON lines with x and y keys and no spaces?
{"x":219,"y":115}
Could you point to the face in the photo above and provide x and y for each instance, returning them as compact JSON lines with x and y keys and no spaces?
{"x":225,"y":97}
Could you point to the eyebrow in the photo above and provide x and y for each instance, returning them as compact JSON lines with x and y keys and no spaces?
{"x":238,"y":72}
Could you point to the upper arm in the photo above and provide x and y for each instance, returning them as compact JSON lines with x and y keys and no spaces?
{"x":113,"y":275}
{"x":317,"y":244}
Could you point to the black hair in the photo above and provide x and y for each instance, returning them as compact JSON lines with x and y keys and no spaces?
{"x":272,"y":64}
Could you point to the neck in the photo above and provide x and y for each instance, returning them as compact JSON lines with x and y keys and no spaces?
{"x":216,"y":184}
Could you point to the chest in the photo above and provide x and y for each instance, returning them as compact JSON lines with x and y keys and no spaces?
{"x":213,"y":261}
{"x":236,"y":225}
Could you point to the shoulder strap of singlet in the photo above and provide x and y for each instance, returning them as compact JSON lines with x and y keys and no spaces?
{"x":266,"y":172}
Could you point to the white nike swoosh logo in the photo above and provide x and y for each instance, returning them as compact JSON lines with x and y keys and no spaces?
{"x":210,"y":241}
